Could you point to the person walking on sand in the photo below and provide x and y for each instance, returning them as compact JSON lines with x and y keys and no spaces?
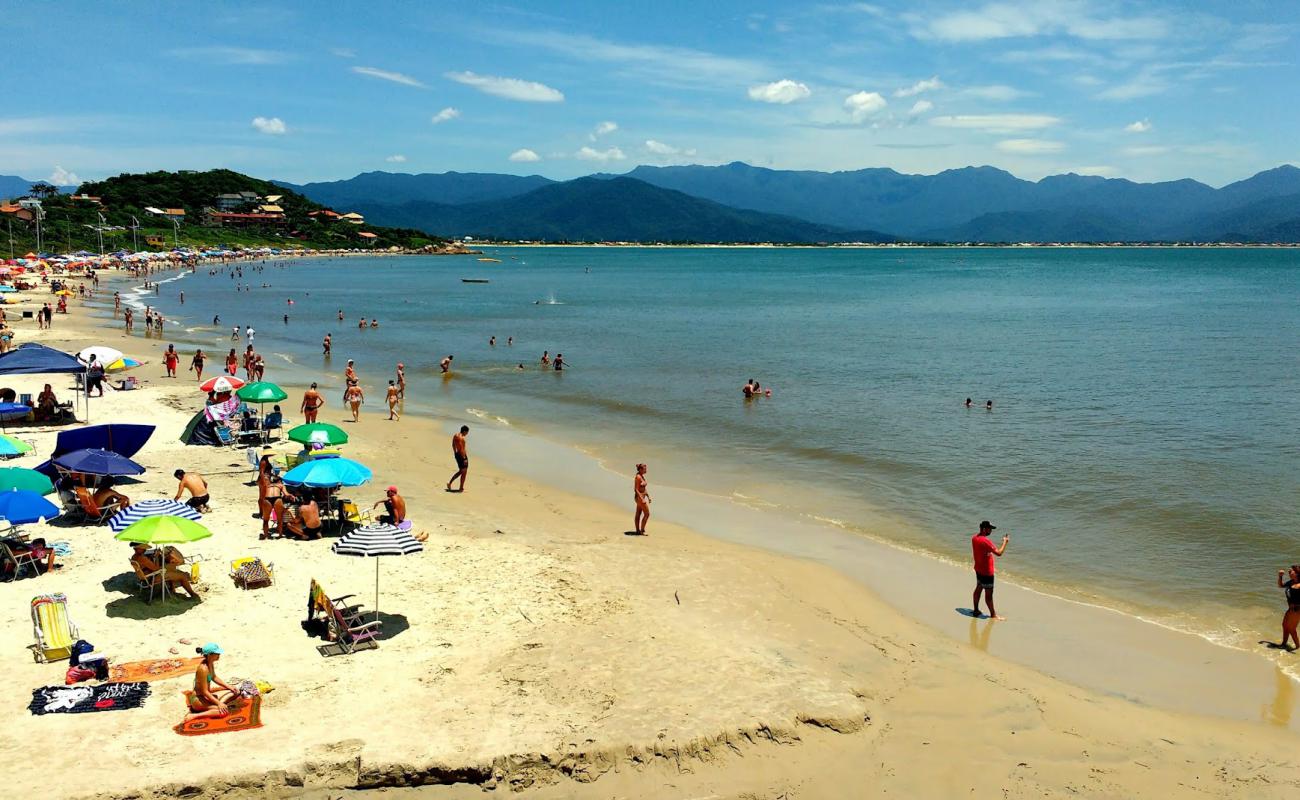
{"x":462,"y":459}
{"x":446,"y":364}
{"x":171,"y":359}
{"x":354,"y":397}
{"x":640,"y":496}
{"x":232,"y":362}
{"x":196,"y":365}
{"x":1289,"y":581}
{"x":311,"y":404}
{"x":392,"y":399}
{"x":401,"y":381}
{"x":985,"y":555}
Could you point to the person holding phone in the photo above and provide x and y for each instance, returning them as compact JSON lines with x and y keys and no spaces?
{"x":986,"y":554}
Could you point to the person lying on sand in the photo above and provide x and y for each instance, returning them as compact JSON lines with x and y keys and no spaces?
{"x":204,"y":702}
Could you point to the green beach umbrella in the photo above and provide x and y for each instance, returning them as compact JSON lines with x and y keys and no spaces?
{"x":261,"y":392}
{"x":318,"y":433}
{"x":164,"y":530}
{"x":27,"y":479}
{"x":9,"y":446}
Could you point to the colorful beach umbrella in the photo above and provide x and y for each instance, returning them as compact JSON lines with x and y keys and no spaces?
{"x":103,"y":354}
{"x":94,"y":461}
{"x":373,"y":541}
{"x":221,"y":383}
{"x":122,"y":365}
{"x":163,"y":530}
{"x":261,"y":392}
{"x":26,"y":479}
{"x":9,"y":446}
{"x":154,"y":507}
{"x":318,"y":433}
{"x":23,"y":507}
{"x":327,"y":473}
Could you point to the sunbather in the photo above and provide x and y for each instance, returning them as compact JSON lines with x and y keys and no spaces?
{"x":205,"y":702}
{"x":105,"y":497}
{"x":37,"y":549}
{"x":174,"y":575}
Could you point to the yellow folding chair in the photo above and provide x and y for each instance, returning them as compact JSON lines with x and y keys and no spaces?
{"x":54,"y":630}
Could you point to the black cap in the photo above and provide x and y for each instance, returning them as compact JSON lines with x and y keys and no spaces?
{"x":989,"y":525}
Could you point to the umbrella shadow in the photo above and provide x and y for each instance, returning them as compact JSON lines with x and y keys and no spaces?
{"x":392,"y":625}
{"x":133,"y":606}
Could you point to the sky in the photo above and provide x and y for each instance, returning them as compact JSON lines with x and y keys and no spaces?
{"x":325,"y":90}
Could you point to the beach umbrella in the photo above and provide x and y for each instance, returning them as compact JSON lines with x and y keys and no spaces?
{"x":7,"y":289}
{"x":94,"y":461}
{"x":156,"y":507}
{"x":327,"y":473}
{"x":376,"y":540}
{"x":104,"y":355}
{"x":122,"y":365}
{"x":318,"y":433}
{"x":9,"y":446}
{"x":163,"y":529}
{"x":261,"y":392}
{"x":13,"y":411}
{"x":221,"y":383}
{"x":26,"y":479}
{"x":23,"y":507}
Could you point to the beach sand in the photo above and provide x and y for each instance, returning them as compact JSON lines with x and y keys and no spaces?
{"x":535,"y":648}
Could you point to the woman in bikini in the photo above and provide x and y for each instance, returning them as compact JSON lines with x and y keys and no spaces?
{"x":641,"y":495}
{"x":204,"y":702}
{"x":1289,"y":581}
{"x":196,"y":365}
{"x":232,"y":363}
{"x":355,"y":397}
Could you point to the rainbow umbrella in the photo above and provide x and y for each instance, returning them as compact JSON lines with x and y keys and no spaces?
{"x":9,"y":446}
{"x":122,"y":365}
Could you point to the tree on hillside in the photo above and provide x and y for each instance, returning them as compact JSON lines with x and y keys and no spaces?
{"x":43,"y":190}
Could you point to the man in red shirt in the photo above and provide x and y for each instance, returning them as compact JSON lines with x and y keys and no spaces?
{"x":985,"y":556}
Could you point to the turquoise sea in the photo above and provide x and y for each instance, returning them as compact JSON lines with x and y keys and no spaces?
{"x":1142,"y":449}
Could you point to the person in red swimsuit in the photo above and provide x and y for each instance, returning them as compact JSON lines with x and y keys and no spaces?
{"x":986,"y":554}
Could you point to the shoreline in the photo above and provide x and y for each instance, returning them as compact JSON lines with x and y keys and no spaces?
{"x":748,"y":649}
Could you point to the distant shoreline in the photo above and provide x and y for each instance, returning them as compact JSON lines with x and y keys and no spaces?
{"x":906,"y":246}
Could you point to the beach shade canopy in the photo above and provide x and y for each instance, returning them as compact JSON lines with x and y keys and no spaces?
{"x":156,"y":507}
{"x":377,"y":540}
{"x":26,"y":479}
{"x":12,"y":411}
{"x":98,"y":462}
{"x":23,"y":507}
{"x":163,"y":530}
{"x":125,"y":439}
{"x":318,"y":433}
{"x":34,"y":359}
{"x":327,"y":473}
{"x":221,"y":383}
{"x":9,"y":446}
{"x":104,"y":355}
{"x":261,"y":392}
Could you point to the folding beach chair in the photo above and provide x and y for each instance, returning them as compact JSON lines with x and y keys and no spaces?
{"x":345,"y":624}
{"x":54,"y":630}
{"x":250,"y":573}
{"x":90,"y":510}
{"x":225,"y":436}
{"x":13,"y":559}
{"x":150,"y":582}
{"x":350,"y":514}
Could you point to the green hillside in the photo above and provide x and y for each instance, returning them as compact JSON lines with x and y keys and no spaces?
{"x":70,"y":224}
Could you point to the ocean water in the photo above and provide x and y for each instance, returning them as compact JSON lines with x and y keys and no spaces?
{"x":1142,"y":450}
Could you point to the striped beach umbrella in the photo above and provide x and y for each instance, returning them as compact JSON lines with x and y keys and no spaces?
{"x":221,"y":383}
{"x":376,"y":540}
{"x":155,"y":507}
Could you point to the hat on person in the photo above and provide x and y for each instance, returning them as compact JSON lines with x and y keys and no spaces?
{"x":212,"y":649}
{"x":989,"y":525}
{"x":392,"y":489}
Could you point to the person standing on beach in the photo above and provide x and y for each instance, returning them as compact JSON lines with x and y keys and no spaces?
{"x":392,"y":399}
{"x":171,"y":359}
{"x":461,"y":455}
{"x":94,"y":376}
{"x":311,"y":403}
{"x":985,"y":555}
{"x":354,"y":397}
{"x":196,"y":365}
{"x":1289,"y":581}
{"x":232,"y":362}
{"x":129,"y":319}
{"x":640,"y":496}
{"x":446,"y":364}
{"x":401,"y":381}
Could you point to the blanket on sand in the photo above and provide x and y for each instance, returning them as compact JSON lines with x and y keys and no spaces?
{"x":87,"y":699}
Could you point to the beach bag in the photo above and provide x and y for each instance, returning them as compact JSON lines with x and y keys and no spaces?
{"x":253,"y":575}
{"x":79,"y":649}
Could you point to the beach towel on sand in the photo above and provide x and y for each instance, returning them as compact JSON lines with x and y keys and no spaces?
{"x":245,"y":714}
{"x":158,"y":669}
{"x":87,"y":699}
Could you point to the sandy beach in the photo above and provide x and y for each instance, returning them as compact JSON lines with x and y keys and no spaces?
{"x":535,"y":650}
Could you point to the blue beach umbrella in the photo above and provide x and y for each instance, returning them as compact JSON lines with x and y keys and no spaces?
{"x":326,"y":473}
{"x":12,"y":411}
{"x":21,"y":507}
{"x":98,"y":462}
{"x":156,"y":507}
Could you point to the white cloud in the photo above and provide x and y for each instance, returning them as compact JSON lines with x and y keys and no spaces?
{"x":343,"y":52}
{"x":864,"y":105}
{"x":221,"y":54}
{"x":1141,"y":126}
{"x":997,"y":123}
{"x":999,"y":92}
{"x":509,"y":88}
{"x":61,"y":177}
{"x":1001,"y":20}
{"x":523,"y":154}
{"x":919,"y":87}
{"x":1145,"y":84}
{"x":1030,"y":147}
{"x":602,"y":129}
{"x":591,"y":154}
{"x":662,"y":149}
{"x":1146,"y":150}
{"x":783,"y":91}
{"x":386,"y":75}
{"x":445,"y":115}
{"x":271,"y":125}
{"x":397,"y":159}
{"x":1102,"y":171}
{"x":920,"y":107}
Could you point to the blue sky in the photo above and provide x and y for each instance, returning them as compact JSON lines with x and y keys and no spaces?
{"x":315,"y":91}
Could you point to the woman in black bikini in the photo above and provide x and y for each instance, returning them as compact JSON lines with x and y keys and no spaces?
{"x":1289,"y":581}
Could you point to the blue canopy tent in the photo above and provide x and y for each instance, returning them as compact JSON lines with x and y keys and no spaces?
{"x":37,"y":359}
{"x":125,"y":439}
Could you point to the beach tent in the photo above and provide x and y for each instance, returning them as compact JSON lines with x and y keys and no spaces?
{"x":123,"y":438}
{"x":37,"y":359}
{"x":201,"y":430}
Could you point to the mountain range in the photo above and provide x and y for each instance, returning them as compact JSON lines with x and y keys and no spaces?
{"x":14,"y":186}
{"x":740,"y":202}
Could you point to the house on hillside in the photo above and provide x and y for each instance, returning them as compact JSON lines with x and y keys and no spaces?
{"x":173,"y":214}
{"x":273,"y":198}
{"x":354,"y":218}
{"x":85,"y":198}
{"x":155,"y":240}
{"x":324,"y":214}
{"x":231,"y":219}
{"x":15,"y":211}
{"x":235,"y":200}
{"x":270,"y":208}
{"x":368,"y":237}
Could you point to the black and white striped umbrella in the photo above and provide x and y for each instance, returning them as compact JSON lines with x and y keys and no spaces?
{"x":154,"y":507}
{"x":377,"y":539}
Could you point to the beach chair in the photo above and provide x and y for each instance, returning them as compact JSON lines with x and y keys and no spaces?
{"x":274,"y":421}
{"x":13,"y":559}
{"x":350,"y":514}
{"x":225,"y":436}
{"x":150,"y":582}
{"x":246,"y":573}
{"x":26,"y":399}
{"x":91,"y":510}
{"x":54,"y":630}
{"x":345,"y":625}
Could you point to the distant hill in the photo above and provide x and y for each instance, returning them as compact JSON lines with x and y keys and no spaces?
{"x":12,"y":186}
{"x":395,"y":188}
{"x":618,"y":209}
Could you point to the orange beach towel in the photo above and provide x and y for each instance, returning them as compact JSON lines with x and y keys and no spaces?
{"x":158,"y":669}
{"x":245,"y":714}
